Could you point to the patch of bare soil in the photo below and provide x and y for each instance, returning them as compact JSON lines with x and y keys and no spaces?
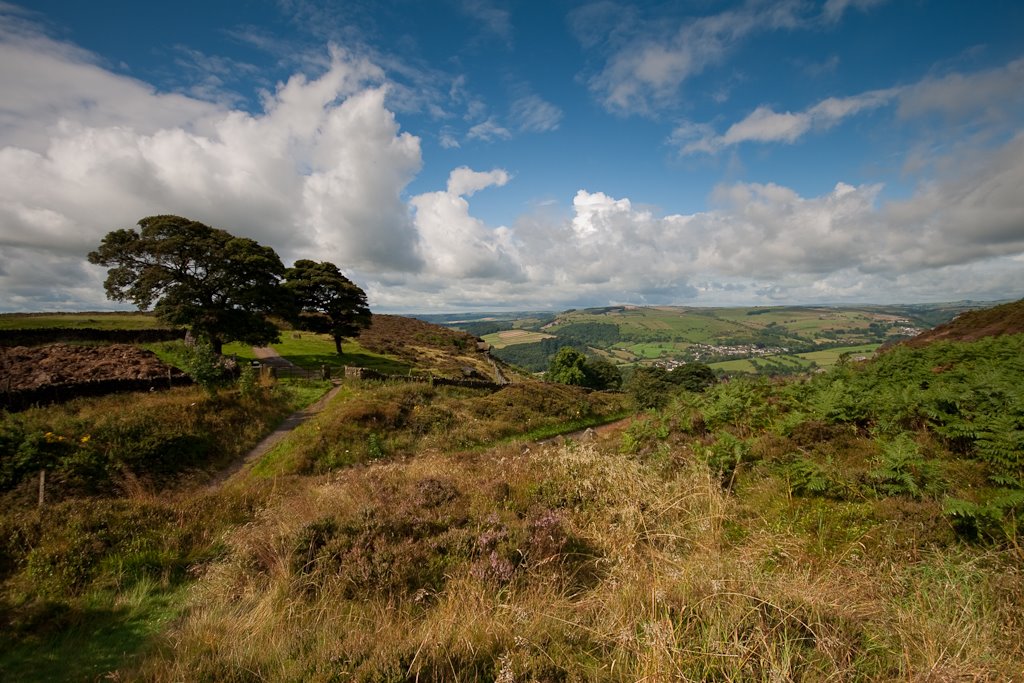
{"x":30,"y":367}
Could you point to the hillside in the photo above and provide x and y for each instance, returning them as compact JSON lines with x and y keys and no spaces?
{"x":777,"y":340}
{"x":974,"y":325}
{"x":861,"y":524}
{"x":427,"y":347}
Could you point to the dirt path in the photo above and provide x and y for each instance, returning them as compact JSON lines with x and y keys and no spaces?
{"x":269,"y":356}
{"x":272,"y":439}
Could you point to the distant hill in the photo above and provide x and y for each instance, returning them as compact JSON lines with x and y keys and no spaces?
{"x":973,"y":325}
{"x":428,"y":347}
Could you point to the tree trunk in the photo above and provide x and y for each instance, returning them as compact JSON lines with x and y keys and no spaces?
{"x":216,"y":344}
{"x":337,"y":344}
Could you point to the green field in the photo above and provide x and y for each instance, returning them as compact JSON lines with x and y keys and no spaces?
{"x":310,"y":351}
{"x":829,"y":357}
{"x":825,"y":358}
{"x":95,"y":321}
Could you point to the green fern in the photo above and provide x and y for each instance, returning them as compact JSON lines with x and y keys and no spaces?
{"x":901,"y":470}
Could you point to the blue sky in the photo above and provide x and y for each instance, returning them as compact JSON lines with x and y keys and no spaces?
{"x":477,"y":154}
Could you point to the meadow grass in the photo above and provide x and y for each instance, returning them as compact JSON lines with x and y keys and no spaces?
{"x":311,"y":351}
{"x":94,"y":320}
{"x":576,"y":563}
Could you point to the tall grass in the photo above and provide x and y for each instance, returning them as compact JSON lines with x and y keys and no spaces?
{"x":574,"y":563}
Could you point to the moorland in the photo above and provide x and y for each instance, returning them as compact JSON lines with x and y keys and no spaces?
{"x":858,"y":522}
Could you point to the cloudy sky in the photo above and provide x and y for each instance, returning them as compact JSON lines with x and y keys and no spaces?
{"x":458,"y":155}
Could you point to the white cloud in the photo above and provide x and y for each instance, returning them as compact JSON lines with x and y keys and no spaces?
{"x":766,"y":125}
{"x":45,"y":81}
{"x":534,"y":114}
{"x":319,"y":172}
{"x":488,"y":131}
{"x":454,"y":244}
{"x":994,"y":95}
{"x":957,"y":237}
{"x":447,"y":139}
{"x":464,"y":181}
{"x":645,"y":70}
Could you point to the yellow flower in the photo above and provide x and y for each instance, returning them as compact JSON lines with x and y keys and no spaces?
{"x":85,"y":439}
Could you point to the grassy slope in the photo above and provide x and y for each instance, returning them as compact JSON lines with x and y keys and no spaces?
{"x":114,"y":564}
{"x":759,"y":532}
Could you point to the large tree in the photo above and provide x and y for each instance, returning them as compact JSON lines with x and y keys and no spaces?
{"x":570,"y":366}
{"x":327,"y":301}
{"x":220,"y":286}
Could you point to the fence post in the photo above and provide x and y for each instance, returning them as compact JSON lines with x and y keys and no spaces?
{"x":42,"y":487}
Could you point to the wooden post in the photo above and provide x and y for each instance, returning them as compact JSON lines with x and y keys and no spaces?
{"x":42,"y":487}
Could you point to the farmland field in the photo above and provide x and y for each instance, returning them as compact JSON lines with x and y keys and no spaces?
{"x":500,"y":340}
{"x":767,"y":339}
{"x":94,"y":320}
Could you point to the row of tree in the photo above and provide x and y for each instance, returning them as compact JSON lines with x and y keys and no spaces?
{"x":225,"y":288}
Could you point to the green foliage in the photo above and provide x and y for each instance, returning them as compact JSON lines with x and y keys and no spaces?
{"x":901,"y":470}
{"x":725,"y":455}
{"x":653,"y":387}
{"x":205,"y":367}
{"x":99,"y":446}
{"x":249,"y":382}
{"x":327,"y":301}
{"x":219,"y":285}
{"x":999,"y":517}
{"x":741,"y":404}
{"x":806,"y":477}
{"x":569,"y":366}
{"x":535,"y":357}
{"x":600,"y":335}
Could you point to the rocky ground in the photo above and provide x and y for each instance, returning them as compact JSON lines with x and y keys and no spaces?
{"x":29,"y":367}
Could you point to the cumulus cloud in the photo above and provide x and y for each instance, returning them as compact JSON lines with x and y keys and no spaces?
{"x":45,"y":81}
{"x":760,"y":242}
{"x":464,"y":181}
{"x":454,"y":244}
{"x":320,"y":171}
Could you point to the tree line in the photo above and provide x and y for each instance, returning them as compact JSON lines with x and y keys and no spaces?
{"x":225,"y":288}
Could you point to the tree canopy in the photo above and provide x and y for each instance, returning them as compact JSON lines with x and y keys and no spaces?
{"x":570,"y":366}
{"x":652,"y":387}
{"x":327,"y":301}
{"x":220,"y":286}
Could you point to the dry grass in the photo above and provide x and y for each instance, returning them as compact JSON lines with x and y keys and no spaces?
{"x":573,"y":563}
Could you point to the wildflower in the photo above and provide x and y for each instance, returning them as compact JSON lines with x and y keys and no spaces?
{"x":85,"y":439}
